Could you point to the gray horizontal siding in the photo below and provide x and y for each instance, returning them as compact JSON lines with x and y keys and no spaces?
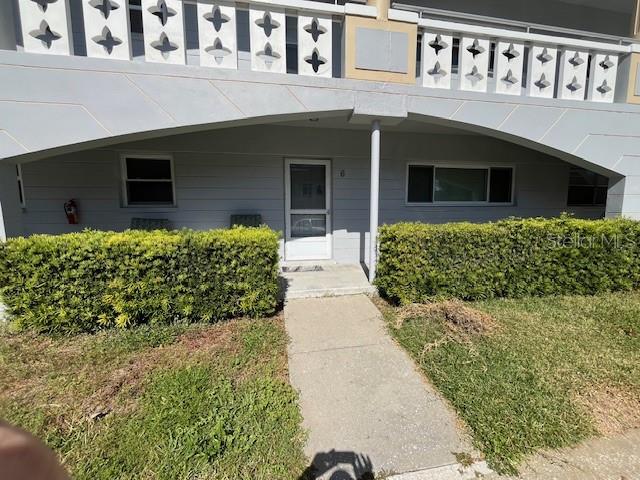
{"x":241,"y":170}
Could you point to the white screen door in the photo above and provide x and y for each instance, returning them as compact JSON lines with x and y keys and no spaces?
{"x":307,"y":209}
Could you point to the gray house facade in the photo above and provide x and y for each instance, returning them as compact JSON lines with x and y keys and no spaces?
{"x":320,"y":120}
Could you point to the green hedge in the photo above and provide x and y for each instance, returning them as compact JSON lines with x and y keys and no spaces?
{"x":510,"y":258}
{"x":90,"y":280}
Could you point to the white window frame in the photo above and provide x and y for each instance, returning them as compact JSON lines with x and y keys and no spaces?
{"x":447,"y":203}
{"x":124,"y":179}
{"x":20,"y":179}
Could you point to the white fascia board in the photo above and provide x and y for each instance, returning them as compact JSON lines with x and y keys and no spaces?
{"x":303,"y":6}
{"x":403,"y":16}
{"x":361,"y":10}
{"x":476,"y":30}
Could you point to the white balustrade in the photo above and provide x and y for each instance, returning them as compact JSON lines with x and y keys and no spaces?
{"x":474,"y":63}
{"x":542,"y":71}
{"x":268,"y":39}
{"x":604,"y":70}
{"x":572,"y":81}
{"x":587,"y":69}
{"x":509,"y":67}
{"x":106,"y":27}
{"x":315,"y":45}
{"x":217,"y":34}
{"x":46,"y":26}
{"x":163,"y":24}
{"x":437,"y":51}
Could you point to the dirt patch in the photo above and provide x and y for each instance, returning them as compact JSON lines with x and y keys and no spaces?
{"x":460,"y":319}
{"x":614,"y":409}
{"x":194,"y":344}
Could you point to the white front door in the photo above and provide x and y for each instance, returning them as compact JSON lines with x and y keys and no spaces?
{"x":307,"y":209}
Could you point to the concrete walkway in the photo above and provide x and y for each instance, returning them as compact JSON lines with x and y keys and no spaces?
{"x":364,"y":404}
{"x":616,"y":458}
{"x":321,"y":279}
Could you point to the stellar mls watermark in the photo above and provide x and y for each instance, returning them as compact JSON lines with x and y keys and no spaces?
{"x":580,"y":240}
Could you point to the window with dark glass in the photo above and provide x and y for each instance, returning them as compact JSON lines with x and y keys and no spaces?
{"x":500,"y":185}
{"x":586,"y":188}
{"x":427,"y":183}
{"x":148,"y":181}
{"x":420,"y":184}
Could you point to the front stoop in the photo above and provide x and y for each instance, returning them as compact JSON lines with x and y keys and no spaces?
{"x":330,"y":280}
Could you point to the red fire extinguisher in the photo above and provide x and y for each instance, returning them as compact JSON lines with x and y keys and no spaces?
{"x":71,"y":211}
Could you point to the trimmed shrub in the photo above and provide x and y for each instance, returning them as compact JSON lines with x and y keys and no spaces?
{"x":90,"y":280}
{"x":510,"y":258}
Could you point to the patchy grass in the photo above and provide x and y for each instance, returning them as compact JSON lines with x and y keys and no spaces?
{"x":171,"y":402}
{"x":546,"y":373}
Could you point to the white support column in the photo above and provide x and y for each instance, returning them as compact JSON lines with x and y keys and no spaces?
{"x":374,"y":198}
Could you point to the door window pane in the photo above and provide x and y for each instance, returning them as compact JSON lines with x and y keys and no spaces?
{"x":308,"y":225}
{"x":308,"y":188}
{"x":461,"y":185}
{"x":500,"y":185}
{"x":420,"y":184}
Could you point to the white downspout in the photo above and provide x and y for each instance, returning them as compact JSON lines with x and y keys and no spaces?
{"x":373,"y":198}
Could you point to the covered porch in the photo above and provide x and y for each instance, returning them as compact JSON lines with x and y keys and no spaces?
{"x":325,"y":182}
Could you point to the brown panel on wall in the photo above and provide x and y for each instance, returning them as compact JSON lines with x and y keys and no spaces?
{"x":633,"y":92}
{"x":380,"y":50}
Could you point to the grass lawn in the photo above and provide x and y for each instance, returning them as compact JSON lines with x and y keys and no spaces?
{"x":159,"y":402}
{"x":534,"y":374}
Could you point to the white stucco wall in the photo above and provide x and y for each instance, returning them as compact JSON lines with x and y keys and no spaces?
{"x":241,"y":170}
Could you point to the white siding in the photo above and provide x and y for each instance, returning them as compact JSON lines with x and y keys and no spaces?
{"x":241,"y":170}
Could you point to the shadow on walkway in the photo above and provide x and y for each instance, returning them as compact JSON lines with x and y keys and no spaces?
{"x":339,"y":465}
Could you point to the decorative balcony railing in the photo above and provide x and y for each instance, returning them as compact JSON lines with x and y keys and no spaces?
{"x":454,"y":54}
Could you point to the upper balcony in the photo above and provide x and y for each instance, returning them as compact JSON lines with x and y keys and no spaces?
{"x":409,"y":44}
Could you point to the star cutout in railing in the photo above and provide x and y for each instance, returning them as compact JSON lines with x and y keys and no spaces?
{"x":437,"y":72}
{"x":474,"y":76}
{"x":606,"y":63}
{"x":216,"y":17}
{"x":438,"y":44}
{"x":267,"y":24}
{"x":105,"y":6}
{"x":315,"y":29}
{"x":475,"y":48}
{"x":542,"y":82}
{"x":604,"y":88}
{"x":162,"y":11}
{"x":268,"y":55}
{"x":164,"y":45}
{"x":510,"y":78}
{"x":511,"y":52}
{"x":576,"y":60}
{"x":574,"y":86}
{"x":218,"y":51}
{"x":544,"y":56}
{"x":45,"y":34}
{"x":315,"y":60}
{"x":44,"y":4}
{"x":107,"y":40}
